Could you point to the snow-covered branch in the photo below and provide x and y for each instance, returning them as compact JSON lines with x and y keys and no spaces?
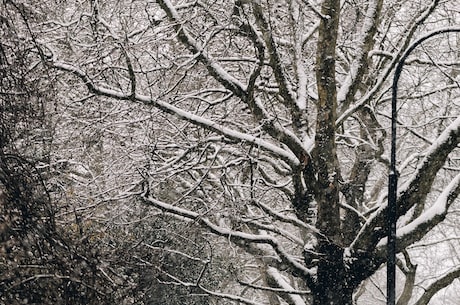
{"x":418,"y":186}
{"x":227,"y":80}
{"x":278,"y":279}
{"x":364,"y":45}
{"x":240,"y":90}
{"x":437,"y":285}
{"x":277,"y":230}
{"x":242,"y":239}
{"x":416,"y":189}
{"x":285,"y":155}
{"x":275,"y":58}
{"x":416,"y":229}
{"x":405,"y":43}
{"x":277,"y":290}
{"x":288,"y":219}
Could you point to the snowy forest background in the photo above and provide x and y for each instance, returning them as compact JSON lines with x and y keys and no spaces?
{"x":226,"y":152}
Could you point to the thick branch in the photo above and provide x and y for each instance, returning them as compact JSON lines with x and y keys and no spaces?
{"x":415,"y":190}
{"x":325,"y":157}
{"x":359,"y":66}
{"x":423,"y":224}
{"x":437,"y":286}
{"x":419,"y":185}
{"x":285,"y":155}
{"x":277,"y":280}
{"x":385,"y":73}
{"x":239,"y":238}
{"x":409,"y":271}
{"x":419,"y":227}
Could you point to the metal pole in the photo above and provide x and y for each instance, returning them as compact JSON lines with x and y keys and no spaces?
{"x":392,"y":212}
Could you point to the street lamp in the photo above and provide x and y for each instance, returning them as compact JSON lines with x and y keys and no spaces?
{"x":393,"y":176}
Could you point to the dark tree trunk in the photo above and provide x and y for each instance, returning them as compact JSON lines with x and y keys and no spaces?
{"x":334,"y":286}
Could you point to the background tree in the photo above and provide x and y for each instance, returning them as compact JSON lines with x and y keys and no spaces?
{"x":265,"y":124}
{"x":45,"y":256}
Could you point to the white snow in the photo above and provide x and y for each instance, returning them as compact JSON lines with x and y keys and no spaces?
{"x":198,"y":120}
{"x":282,"y":283}
{"x":439,"y":208}
{"x":454,"y":127}
{"x":360,"y":57}
{"x":303,"y":81}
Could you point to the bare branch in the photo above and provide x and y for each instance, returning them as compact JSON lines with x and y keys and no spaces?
{"x":278,"y":280}
{"x":168,"y":108}
{"x":415,"y":191}
{"x":238,"y":237}
{"x":405,"y":43}
{"x":437,"y":285}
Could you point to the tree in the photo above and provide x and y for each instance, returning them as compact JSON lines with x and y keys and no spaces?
{"x":270,"y":129}
{"x":44,"y":257}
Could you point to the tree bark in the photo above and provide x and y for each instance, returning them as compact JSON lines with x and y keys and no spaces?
{"x":332,"y":282}
{"x":333,"y":286}
{"x":325,"y":153}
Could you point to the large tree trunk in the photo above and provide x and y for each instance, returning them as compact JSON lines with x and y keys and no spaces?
{"x":333,"y":286}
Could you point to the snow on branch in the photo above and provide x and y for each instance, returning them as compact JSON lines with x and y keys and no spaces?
{"x":208,"y":124}
{"x":317,"y":12}
{"x":213,"y":67}
{"x":275,"y":58}
{"x":177,"y":282}
{"x":385,"y":73}
{"x":423,"y":224}
{"x":288,"y":219}
{"x":364,"y":45}
{"x":277,"y":290}
{"x":285,"y":155}
{"x":416,"y":229}
{"x":280,"y":281}
{"x":275,"y":229}
{"x":416,"y":188}
{"x":437,"y":285}
{"x":276,"y":130}
{"x":235,"y":86}
{"x":242,"y":239}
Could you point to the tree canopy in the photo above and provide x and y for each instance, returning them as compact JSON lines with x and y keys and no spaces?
{"x":226,"y":152}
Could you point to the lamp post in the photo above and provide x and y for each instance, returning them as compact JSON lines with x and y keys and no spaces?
{"x":392,"y":214}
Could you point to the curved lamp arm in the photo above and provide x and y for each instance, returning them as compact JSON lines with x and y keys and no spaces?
{"x":393,"y":176}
